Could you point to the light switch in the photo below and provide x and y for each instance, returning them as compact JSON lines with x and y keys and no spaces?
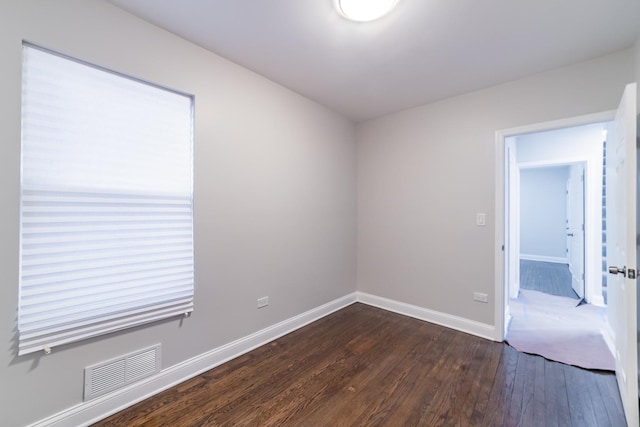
{"x":481,"y":219}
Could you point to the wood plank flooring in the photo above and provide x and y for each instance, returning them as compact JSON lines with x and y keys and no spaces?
{"x":363,"y":366}
{"x":548,"y":277}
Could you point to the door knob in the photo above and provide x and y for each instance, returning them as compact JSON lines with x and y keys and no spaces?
{"x":570,"y":234}
{"x":616,"y":270}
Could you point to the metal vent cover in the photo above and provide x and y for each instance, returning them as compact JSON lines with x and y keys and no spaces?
{"x":113,"y":374}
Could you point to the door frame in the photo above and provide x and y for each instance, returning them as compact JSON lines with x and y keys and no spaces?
{"x":501,"y":315}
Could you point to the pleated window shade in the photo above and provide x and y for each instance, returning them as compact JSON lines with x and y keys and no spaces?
{"x":106,"y":239}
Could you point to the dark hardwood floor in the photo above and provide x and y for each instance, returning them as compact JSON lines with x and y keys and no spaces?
{"x":548,"y":277}
{"x":363,"y":366}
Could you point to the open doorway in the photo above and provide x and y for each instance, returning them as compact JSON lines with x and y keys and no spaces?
{"x":551,"y":226}
{"x":554,"y":244}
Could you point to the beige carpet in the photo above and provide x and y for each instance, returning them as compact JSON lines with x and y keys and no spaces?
{"x":553,"y":327}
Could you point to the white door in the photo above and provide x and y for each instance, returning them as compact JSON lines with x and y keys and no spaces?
{"x":621,"y":249}
{"x":575,"y":227}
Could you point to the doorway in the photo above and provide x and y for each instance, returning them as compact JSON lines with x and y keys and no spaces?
{"x":551,"y":227}
{"x":565,"y":167}
{"x":530,"y":152}
{"x":556,"y":210}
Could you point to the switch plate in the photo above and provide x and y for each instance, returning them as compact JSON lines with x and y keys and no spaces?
{"x":263,"y":302}
{"x":481,"y":219}
{"x":480,"y":297}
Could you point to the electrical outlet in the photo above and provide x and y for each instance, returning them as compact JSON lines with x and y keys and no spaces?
{"x":263,"y":302}
{"x":480,"y":297}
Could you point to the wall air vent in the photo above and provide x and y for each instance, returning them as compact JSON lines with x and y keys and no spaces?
{"x":116,"y":373}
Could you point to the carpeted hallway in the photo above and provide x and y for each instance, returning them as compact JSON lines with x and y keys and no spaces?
{"x":545,"y":319}
{"x":555,"y":328}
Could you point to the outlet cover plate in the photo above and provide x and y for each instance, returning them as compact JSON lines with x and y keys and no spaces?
{"x":480,"y":297}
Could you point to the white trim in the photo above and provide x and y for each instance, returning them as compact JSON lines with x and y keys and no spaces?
{"x":507,"y":317}
{"x":89,"y":412}
{"x":559,"y":161}
{"x":544,"y":258}
{"x":587,"y":119}
{"x":443,"y":319}
{"x":500,"y":206}
{"x":500,"y":243}
{"x":597,"y":300}
{"x":609,"y":338}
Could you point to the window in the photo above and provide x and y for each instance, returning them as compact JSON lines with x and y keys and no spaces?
{"x":106,"y":239}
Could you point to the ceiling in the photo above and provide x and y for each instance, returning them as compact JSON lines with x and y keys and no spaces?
{"x":423,"y":51}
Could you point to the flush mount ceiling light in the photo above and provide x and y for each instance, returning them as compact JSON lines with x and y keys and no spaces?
{"x":364,"y":10}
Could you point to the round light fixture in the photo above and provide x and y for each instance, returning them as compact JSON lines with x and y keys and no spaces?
{"x":364,"y":10}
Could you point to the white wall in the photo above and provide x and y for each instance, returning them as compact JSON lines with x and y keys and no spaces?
{"x":574,"y":143}
{"x":424,"y":173}
{"x":543,"y":212}
{"x":274,"y":197}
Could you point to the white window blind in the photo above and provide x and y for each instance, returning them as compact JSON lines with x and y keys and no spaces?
{"x":106,"y":239}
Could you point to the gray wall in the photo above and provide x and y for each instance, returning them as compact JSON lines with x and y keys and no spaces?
{"x":543,"y":211}
{"x":274,"y":197}
{"x":424,"y":173}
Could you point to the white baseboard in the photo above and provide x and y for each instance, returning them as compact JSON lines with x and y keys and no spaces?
{"x":597,"y":300}
{"x":638,"y":345}
{"x":608,"y":335}
{"x":507,"y":321}
{"x":544,"y":258}
{"x":89,"y":412}
{"x":453,"y":322}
